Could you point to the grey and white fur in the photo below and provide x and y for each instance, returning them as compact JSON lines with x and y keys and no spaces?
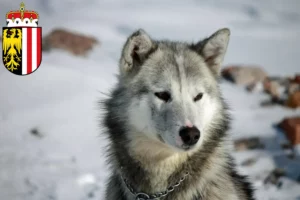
{"x":166,"y":116}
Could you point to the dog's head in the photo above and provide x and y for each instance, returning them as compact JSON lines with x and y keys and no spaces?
{"x":172,"y":88}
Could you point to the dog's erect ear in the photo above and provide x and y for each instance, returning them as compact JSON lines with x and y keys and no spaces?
{"x":135,"y":51}
{"x":213,"y":49}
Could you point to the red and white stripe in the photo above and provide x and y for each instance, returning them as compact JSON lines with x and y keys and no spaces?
{"x":31,"y":49}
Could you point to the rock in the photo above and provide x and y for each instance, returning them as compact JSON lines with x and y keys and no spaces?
{"x":281,"y":80}
{"x":288,"y":149}
{"x":282,"y":91}
{"x":277,"y":86}
{"x":249,"y":162}
{"x":293,"y":100}
{"x":292,"y":88}
{"x":279,"y":184}
{"x":36,"y":132}
{"x":296,"y":79}
{"x":274,"y":176}
{"x":249,"y":143}
{"x":244,"y":75}
{"x":75,"y":43}
{"x":282,"y":85}
{"x":272,"y":88}
{"x":286,"y":146}
{"x":291,"y":128}
{"x":46,"y":46}
{"x":291,"y":155}
{"x":227,"y":73}
{"x":272,"y":102}
{"x":91,"y":195}
{"x":255,"y":87}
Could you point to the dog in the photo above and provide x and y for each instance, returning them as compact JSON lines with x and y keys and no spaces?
{"x":166,"y":123}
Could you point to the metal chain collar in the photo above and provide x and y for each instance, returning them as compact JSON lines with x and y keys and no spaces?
{"x":145,"y":196}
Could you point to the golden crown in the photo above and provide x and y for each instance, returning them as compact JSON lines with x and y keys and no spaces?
{"x":22,"y":14}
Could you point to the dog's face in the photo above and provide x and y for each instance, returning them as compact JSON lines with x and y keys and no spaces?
{"x":175,"y":97}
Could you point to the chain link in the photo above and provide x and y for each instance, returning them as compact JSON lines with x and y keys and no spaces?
{"x":145,"y":196}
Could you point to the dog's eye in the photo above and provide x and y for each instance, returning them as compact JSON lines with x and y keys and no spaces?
{"x":165,"y":96}
{"x":198,"y":97}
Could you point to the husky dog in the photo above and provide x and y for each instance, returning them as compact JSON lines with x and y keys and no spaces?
{"x":166,"y":122}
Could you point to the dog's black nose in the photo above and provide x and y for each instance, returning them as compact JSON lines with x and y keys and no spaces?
{"x":189,"y":136}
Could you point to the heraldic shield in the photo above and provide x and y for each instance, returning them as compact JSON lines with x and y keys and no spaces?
{"x":22,"y":49}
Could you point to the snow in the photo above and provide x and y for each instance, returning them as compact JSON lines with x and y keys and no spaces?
{"x":65,"y":159}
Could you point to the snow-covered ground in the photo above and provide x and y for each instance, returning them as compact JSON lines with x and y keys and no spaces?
{"x":60,"y":99}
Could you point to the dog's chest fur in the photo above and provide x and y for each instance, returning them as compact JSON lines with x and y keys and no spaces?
{"x":212,"y":182}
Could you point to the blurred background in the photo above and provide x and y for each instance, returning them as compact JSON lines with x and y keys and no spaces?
{"x":51,"y":147}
